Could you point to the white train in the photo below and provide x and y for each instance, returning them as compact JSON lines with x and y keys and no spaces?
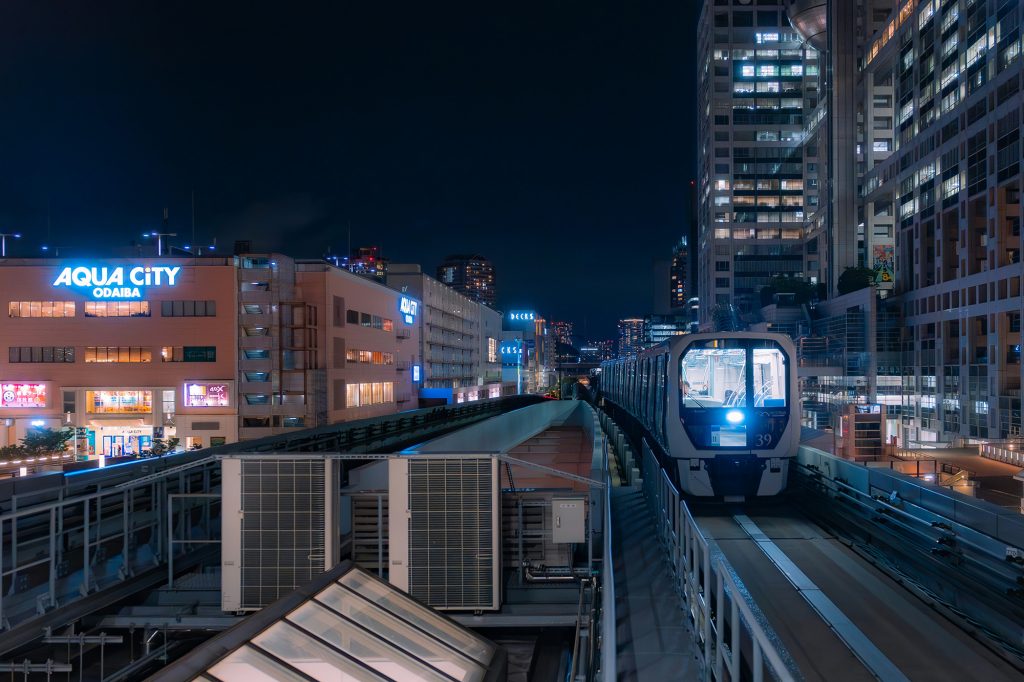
{"x":724,"y":407}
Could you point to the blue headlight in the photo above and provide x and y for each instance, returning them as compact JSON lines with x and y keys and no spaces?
{"x":734,"y":417}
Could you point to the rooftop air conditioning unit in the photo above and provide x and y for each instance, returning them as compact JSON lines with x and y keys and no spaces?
{"x":278,"y":526}
{"x":444,"y":521}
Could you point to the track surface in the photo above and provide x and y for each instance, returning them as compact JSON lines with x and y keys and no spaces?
{"x":919,"y":641}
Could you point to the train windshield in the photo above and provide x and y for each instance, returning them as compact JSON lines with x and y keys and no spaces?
{"x":713,"y":377}
{"x":734,"y":393}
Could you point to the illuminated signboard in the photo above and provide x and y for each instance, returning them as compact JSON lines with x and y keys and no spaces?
{"x":207,"y":395}
{"x":409,"y":309}
{"x":117,"y":282}
{"x":18,"y":394}
{"x":415,"y":373}
{"x":521,"y":316}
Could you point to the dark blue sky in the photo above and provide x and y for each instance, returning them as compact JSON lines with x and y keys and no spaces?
{"x":555,"y":137}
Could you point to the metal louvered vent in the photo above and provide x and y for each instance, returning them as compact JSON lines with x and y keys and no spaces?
{"x":452,"y":526}
{"x":283,"y":527}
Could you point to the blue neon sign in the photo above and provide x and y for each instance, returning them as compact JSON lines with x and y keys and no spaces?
{"x":415,"y":373}
{"x":409,"y":309}
{"x":117,"y":282}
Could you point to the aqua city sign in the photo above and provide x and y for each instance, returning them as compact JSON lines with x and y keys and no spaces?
{"x":117,"y":282}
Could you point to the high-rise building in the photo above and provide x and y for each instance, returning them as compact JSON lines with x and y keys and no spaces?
{"x":757,"y":180}
{"x":679,"y":276}
{"x":631,"y":336}
{"x":658,"y":328}
{"x":470,"y":275}
{"x":606,"y":349}
{"x":941,"y":161}
{"x":562,"y":331}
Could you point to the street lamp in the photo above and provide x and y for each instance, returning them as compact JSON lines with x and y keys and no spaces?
{"x":3,"y":241}
{"x":56,"y":249}
{"x":159,"y":239}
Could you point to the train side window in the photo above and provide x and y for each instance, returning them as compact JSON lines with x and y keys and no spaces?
{"x":659,"y":403}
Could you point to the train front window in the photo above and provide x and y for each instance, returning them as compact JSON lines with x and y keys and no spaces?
{"x":734,"y":393}
{"x":769,"y":377}
{"x":713,"y":377}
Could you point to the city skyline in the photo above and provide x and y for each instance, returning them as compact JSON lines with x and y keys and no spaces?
{"x":289,"y":135}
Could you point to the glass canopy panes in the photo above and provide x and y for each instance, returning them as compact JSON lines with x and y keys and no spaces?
{"x":357,"y":629}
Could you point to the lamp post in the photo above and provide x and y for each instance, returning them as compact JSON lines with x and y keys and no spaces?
{"x":159,"y":239}
{"x":55,"y":249}
{"x":3,"y":241}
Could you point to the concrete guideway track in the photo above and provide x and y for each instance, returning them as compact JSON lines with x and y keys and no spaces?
{"x":917,"y":642}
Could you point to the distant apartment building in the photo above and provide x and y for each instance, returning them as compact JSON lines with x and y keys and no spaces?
{"x":757,"y":181}
{"x":461,"y":336}
{"x":631,"y":336}
{"x":470,"y":275}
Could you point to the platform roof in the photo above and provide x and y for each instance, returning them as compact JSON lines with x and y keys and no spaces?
{"x":347,"y":625}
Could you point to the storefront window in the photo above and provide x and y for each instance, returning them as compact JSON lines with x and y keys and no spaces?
{"x":116,"y":308}
{"x":41,"y":309}
{"x":118,"y":354}
{"x":168,"y":406}
{"x":119,"y":402}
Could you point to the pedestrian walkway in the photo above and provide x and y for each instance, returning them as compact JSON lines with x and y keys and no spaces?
{"x":654,"y":640}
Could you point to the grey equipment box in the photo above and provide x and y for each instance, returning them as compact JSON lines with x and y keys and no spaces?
{"x":568,"y":520}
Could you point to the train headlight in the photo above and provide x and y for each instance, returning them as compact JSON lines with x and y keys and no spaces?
{"x":734,"y":417}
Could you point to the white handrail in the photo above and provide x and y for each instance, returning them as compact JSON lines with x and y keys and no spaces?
{"x":694,"y":569}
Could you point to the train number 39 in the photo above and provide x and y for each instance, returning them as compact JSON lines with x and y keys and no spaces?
{"x":764,"y":440}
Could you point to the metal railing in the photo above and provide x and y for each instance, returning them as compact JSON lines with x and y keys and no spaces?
{"x":609,"y":642}
{"x":54,"y":553}
{"x":721,"y":617}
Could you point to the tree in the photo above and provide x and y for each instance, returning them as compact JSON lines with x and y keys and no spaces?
{"x":855,"y":279}
{"x":803,"y":290}
{"x":162,"y":447}
{"x":46,"y":441}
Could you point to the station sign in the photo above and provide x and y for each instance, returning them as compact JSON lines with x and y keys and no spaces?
{"x":22,"y":394}
{"x":119,"y":282}
{"x":409,"y":308}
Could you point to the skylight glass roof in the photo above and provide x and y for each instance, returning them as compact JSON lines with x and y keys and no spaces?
{"x":356,"y":628}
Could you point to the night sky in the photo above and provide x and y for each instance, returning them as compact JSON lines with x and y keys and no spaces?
{"x":557,"y":138}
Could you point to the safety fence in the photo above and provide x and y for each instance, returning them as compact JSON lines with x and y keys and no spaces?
{"x":730,"y":638}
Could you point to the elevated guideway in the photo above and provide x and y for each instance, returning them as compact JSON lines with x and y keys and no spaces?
{"x":810,"y":586}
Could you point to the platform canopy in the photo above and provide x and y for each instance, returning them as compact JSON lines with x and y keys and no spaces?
{"x":346,"y":626}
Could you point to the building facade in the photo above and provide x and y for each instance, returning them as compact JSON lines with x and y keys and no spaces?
{"x":206,"y":350}
{"x":756,"y":179}
{"x":943,"y":103}
{"x":125,"y":351}
{"x":461,"y":337}
{"x":470,"y":275}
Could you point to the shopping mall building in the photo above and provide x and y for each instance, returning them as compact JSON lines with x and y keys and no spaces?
{"x":207,"y":350}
